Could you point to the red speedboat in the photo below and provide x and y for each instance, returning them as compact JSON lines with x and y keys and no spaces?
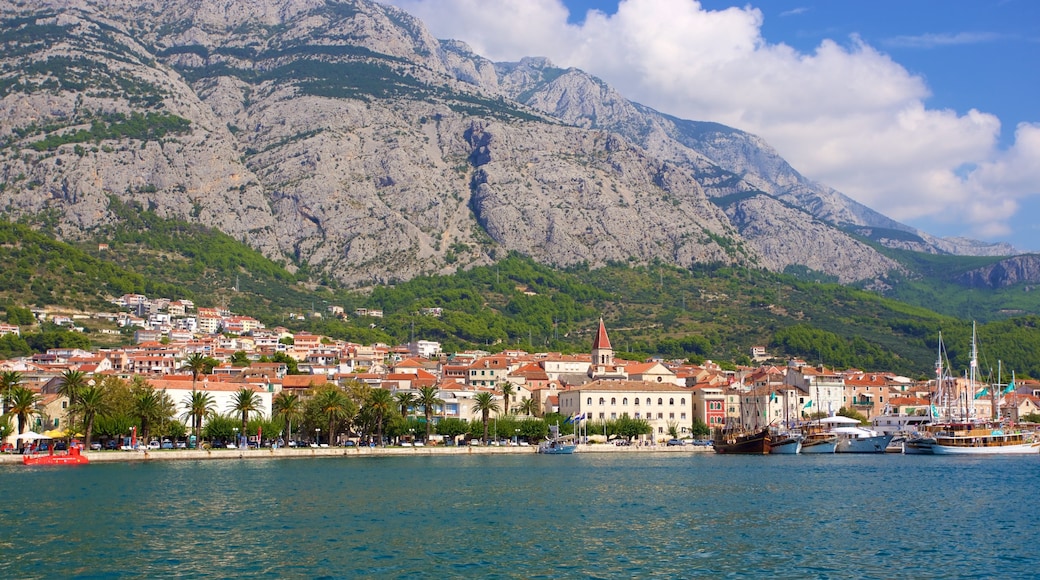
{"x":73,"y":457}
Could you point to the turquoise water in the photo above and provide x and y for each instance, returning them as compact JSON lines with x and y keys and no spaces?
{"x":592,"y":515}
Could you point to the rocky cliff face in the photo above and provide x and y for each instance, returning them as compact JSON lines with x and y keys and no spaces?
{"x":342,"y":135}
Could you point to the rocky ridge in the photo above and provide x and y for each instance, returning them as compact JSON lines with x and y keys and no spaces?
{"x":342,"y":135}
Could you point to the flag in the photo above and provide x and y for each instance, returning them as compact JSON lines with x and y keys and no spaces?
{"x":935,"y":412}
{"x":570,"y":419}
{"x":808,"y":404}
{"x":772,"y":397}
{"x":982,"y":393}
{"x":1010,"y":388}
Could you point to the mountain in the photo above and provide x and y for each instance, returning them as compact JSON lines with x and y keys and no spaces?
{"x":342,"y":137}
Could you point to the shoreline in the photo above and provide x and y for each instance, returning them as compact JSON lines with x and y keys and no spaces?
{"x":310,"y":452}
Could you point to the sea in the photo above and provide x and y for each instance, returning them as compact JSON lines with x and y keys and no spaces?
{"x":593,"y":515}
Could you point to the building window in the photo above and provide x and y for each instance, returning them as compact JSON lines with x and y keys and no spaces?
{"x":601,"y":415}
{"x":636,"y":401}
{"x":682,"y":401}
{"x":637,"y":415}
{"x":660,"y":415}
{"x":671,"y":415}
{"x":671,"y":401}
{"x":682,"y":416}
{"x":660,"y":401}
{"x":624,"y":401}
{"x":648,"y":401}
{"x":613,"y":415}
{"x":588,"y":401}
{"x":602,"y":401}
{"x":613,"y":401}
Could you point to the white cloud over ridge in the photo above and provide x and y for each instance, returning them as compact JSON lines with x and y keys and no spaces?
{"x":846,"y":114}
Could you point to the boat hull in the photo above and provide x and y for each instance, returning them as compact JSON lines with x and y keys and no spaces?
{"x":753,"y":444}
{"x":74,"y":457}
{"x":875,"y":444}
{"x":557,"y":449}
{"x":960,"y":448}
{"x":921,"y":446}
{"x":787,"y":446}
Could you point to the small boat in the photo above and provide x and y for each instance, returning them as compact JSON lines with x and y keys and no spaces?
{"x":73,"y":457}
{"x":919,"y":444}
{"x":786,"y":444}
{"x":755,"y":443}
{"x":860,"y":440}
{"x":971,"y":439}
{"x":557,"y":445}
{"x":819,"y":443}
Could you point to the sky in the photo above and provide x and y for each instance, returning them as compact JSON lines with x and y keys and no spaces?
{"x":927,"y":111}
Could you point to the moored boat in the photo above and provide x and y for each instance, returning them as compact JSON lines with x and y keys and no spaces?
{"x":557,"y":445}
{"x":969,"y":439}
{"x":860,"y":440}
{"x":819,"y":443}
{"x":788,"y":444}
{"x":73,"y":457}
{"x":755,"y":443}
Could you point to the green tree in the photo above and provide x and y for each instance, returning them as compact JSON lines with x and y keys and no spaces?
{"x":20,"y":316}
{"x":197,"y":406}
{"x":429,"y":401}
{"x":92,"y":403}
{"x":24,"y":405}
{"x":148,"y":408}
{"x":288,"y":406}
{"x":405,"y":400}
{"x":485,"y":404}
{"x":197,"y":364}
{"x":240,"y":359}
{"x":700,"y":428}
{"x":72,"y":384}
{"x":8,"y":381}
{"x":451,"y":427}
{"x":508,"y":390}
{"x":244,"y":402}
{"x":334,"y":406}
{"x":381,"y":403}
{"x":527,"y":406}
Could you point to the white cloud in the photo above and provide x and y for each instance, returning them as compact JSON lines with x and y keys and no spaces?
{"x":940,"y":40}
{"x":845,"y":114}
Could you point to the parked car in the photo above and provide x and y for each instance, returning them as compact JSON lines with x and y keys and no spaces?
{"x":676,"y":443}
{"x":623,"y":443}
{"x":95,"y":446}
{"x":181,"y":445}
{"x":111,"y":445}
{"x":167,"y":444}
{"x":703,"y":442}
{"x":61,"y":446}
{"x":349,"y":444}
{"x":153,"y":444}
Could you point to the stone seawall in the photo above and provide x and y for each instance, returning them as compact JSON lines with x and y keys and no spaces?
{"x":290,"y":453}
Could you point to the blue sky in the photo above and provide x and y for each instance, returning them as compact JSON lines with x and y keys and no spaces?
{"x":924,"y":110}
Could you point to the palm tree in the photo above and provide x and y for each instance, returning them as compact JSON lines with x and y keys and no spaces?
{"x":406,"y":400}
{"x":23,"y":405}
{"x":508,"y":390}
{"x":290,"y":406}
{"x":381,"y":403}
{"x":484,"y":403}
{"x":147,"y":407}
{"x":429,"y":401}
{"x":197,"y":406}
{"x":72,"y":384}
{"x":197,"y":364}
{"x":93,"y":402}
{"x":334,"y":406}
{"x":527,"y":406}
{"x":245,"y":402}
{"x":8,"y":381}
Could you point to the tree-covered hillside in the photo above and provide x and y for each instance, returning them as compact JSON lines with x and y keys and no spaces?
{"x":710,"y":312}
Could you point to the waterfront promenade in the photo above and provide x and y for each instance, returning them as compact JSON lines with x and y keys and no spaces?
{"x":312,"y":452}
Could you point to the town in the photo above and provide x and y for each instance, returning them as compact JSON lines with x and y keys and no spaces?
{"x":669,"y":400}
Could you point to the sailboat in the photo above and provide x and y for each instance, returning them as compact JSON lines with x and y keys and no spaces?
{"x":732,"y":440}
{"x":968,"y":437}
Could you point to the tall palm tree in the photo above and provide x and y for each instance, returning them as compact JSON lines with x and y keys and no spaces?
{"x":244,"y":402}
{"x":429,"y":401}
{"x":380,"y":403}
{"x":8,"y":381}
{"x":527,"y":406}
{"x":197,"y":406}
{"x":289,"y":406}
{"x":334,"y":406}
{"x":197,"y":364}
{"x":406,"y":400}
{"x":484,"y":403}
{"x":24,"y":405}
{"x":508,"y":390}
{"x":93,"y":403}
{"x":147,"y":408}
{"x":72,"y":384}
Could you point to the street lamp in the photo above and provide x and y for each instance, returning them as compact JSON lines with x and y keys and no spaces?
{"x":317,"y":437}
{"x":236,"y":436}
{"x":516,"y":438}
